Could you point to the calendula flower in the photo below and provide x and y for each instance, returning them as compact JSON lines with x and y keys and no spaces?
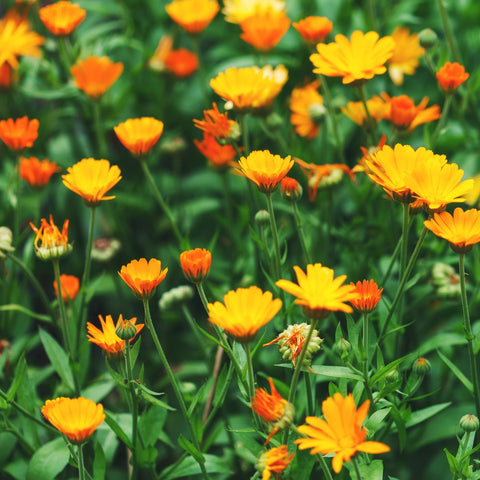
{"x":313,"y":29}
{"x":37,"y":173}
{"x":340,"y":433}
{"x":404,"y":60}
{"x":196,"y":264}
{"x":76,"y":418}
{"x":91,"y":179}
{"x":181,"y":62}
{"x":95,"y":75}
{"x":157,"y":61}
{"x":368,"y":154}
{"x":217,"y":124}
{"x":243,"y":312}
{"x":318,"y":292}
{"x":264,"y":169}
{"x":236,"y":11}
{"x":290,"y":188}
{"x":69,"y":285}
{"x":356,"y":60}
{"x":274,"y":461}
{"x":306,"y":105}
{"x":192,"y":15}
{"x":50,"y":243}
{"x":219,"y":156}
{"x":370,"y":295}
{"x":377,"y":108}
{"x":143,"y":277}
{"x":19,"y":133}
{"x":139,"y":135}
{"x":451,"y":76}
{"x":62,"y":18}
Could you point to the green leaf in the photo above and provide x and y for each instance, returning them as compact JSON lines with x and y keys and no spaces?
{"x":19,"y":373}
{"x":26,"y":311}
{"x":151,"y":424}
{"x":373,"y":471}
{"x":189,"y":467}
{"x":188,"y":446}
{"x":49,"y":460}
{"x":452,"y":462}
{"x":99,"y":390}
{"x":383,"y":372}
{"x":456,"y":371}
{"x":155,"y":401}
{"x":425,"y":413}
{"x":99,"y":463}
{"x":338,"y":372}
{"x":113,"y":424}
{"x":376,"y":419}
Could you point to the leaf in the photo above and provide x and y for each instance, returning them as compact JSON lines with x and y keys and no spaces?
{"x":456,"y":371}
{"x":425,"y":413}
{"x":376,"y":419}
{"x":99,"y":390}
{"x":189,"y":467}
{"x":338,"y":372}
{"x":113,"y":424}
{"x":188,"y":446}
{"x":383,"y":372}
{"x":19,"y":373}
{"x":99,"y":463}
{"x":26,"y":311}
{"x":48,"y":461}
{"x":374,"y":471}
{"x":151,"y":424}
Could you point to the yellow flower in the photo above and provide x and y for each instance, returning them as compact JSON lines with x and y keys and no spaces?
{"x":143,"y":277}
{"x":76,"y":418}
{"x":356,"y":60}
{"x":91,"y":179}
{"x":139,"y":135}
{"x":306,"y":105}
{"x":377,"y":108}
{"x":341,"y":432}
{"x":236,"y":11}
{"x":275,"y":461}
{"x":318,"y":292}
{"x":62,"y":18}
{"x":50,"y":243}
{"x":244,"y":312}
{"x":192,"y":15}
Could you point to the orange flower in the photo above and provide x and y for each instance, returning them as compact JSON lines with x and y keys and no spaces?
{"x":196,"y":264}
{"x":356,"y":60}
{"x":6,"y":75}
{"x":217,"y":124}
{"x":236,"y":11}
{"x":143,"y":277}
{"x":139,"y":135}
{"x":76,"y":418}
{"x":368,"y":155}
{"x":62,"y":18}
{"x":306,"y":105}
{"x":341,"y":432}
{"x":69,"y":285}
{"x":318,"y":292}
{"x":53,"y":244}
{"x":291,"y":189}
{"x":219,"y":156}
{"x":181,"y":62}
{"x":192,"y":15}
{"x":37,"y":173}
{"x":20,"y":133}
{"x":157,"y":61}
{"x":96,"y":75}
{"x":370,"y":295}
{"x":451,"y":76}
{"x":275,"y":461}
{"x":377,"y":108}
{"x":313,"y":29}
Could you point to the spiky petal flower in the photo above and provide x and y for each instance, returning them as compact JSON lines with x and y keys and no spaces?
{"x":139,"y":135}
{"x":192,"y":15}
{"x":50,"y":243}
{"x":143,"y":277}
{"x":370,"y":295}
{"x":37,"y":173}
{"x":451,"y":76}
{"x":217,"y":124}
{"x":220,"y":157}
{"x":19,"y":133}
{"x":62,"y":18}
{"x":196,"y":264}
{"x":313,"y":29}
{"x":274,"y":461}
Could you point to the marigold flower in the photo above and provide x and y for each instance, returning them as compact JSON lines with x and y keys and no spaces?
{"x":291,"y":189}
{"x":164,"y":47}
{"x":306,"y":105}
{"x":243,"y":312}
{"x":219,"y":156}
{"x":37,"y":173}
{"x":313,"y":29}
{"x":404,"y":60}
{"x":236,"y":11}
{"x":264,"y":169}
{"x":106,"y":337}
{"x":275,"y":461}
{"x":196,"y":264}
{"x":181,"y":62}
{"x":143,"y":277}
{"x":62,"y":18}
{"x":368,"y":155}
{"x":91,"y":179}
{"x":318,"y":292}
{"x":192,"y":15}
{"x":356,"y":60}
{"x":217,"y":124}
{"x":76,"y":418}
{"x":69,"y":285}
{"x":341,"y":432}
{"x":19,"y":133}
{"x":95,"y":75}
{"x":370,"y":295}
{"x":50,"y":243}
{"x":139,"y":135}
{"x":377,"y":108}
{"x":451,"y":76}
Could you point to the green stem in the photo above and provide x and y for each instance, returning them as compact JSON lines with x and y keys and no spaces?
{"x":370,"y":121}
{"x":273,"y":227}
{"x":243,"y":124}
{"x":443,"y":120}
{"x":357,"y":470}
{"x":61,"y":307}
{"x":97,"y":125}
{"x":203,"y":296}
{"x":64,"y":54}
{"x":310,"y":399}
{"x":81,"y":464}
{"x":372,"y":18}
{"x":251,"y":378}
{"x":17,"y":215}
{"x":448,"y":31}
{"x":134,"y":398}
{"x":301,"y":233}
{"x":366,"y":360}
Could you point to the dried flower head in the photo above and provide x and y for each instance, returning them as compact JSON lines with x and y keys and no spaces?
{"x":50,"y":243}
{"x":143,"y":277}
{"x":62,"y":18}
{"x":69,"y":286}
{"x":196,"y":264}
{"x":105,"y":249}
{"x":37,"y":173}
{"x":451,"y":76}
{"x":313,"y":29}
{"x":193,"y":15}
{"x":19,"y":133}
{"x":139,"y":135}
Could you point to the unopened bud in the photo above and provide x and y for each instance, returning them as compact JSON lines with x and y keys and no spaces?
{"x":126,"y":330}
{"x":427,"y":38}
{"x":5,"y":241}
{"x":421,"y":366}
{"x":262,"y":218}
{"x":392,"y":377}
{"x":291,"y":190}
{"x":469,"y":423}
{"x":343,"y":346}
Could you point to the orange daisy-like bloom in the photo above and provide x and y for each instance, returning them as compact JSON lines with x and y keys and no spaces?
{"x":370,"y":295}
{"x":164,"y":47}
{"x":377,"y":108}
{"x":356,"y":60}
{"x":20,"y":133}
{"x":69,"y":285}
{"x":404,"y":60}
{"x":291,"y":189}
{"x":193,"y":15}
{"x":219,"y":156}
{"x":274,"y":461}
{"x":50,"y":243}
{"x":143,"y":277}
{"x":341,"y":432}
{"x":76,"y":418}
{"x":368,"y":155}
{"x":306,"y":105}
{"x":461,"y":230}
{"x":243,"y":312}
{"x":264,"y":169}
{"x":62,"y":18}
{"x":91,"y":179}
{"x":236,"y":11}
{"x":217,"y":124}
{"x":95,"y":75}
{"x":181,"y":62}
{"x":313,"y":29}
{"x":451,"y":76}
{"x":37,"y":173}
{"x":139,"y":135}
{"x":318,"y":292}
{"x":196,"y":264}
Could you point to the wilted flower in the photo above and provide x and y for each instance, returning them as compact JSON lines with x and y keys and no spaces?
{"x":196,"y":264}
{"x":308,"y":111}
{"x":157,"y":61}
{"x":446,"y":280}
{"x":313,"y":29}
{"x":451,"y":76}
{"x":20,"y":133}
{"x":181,"y":62}
{"x":69,"y":285}
{"x":143,"y":277}
{"x":139,"y":135}
{"x":62,"y":18}
{"x":192,"y":15}
{"x":274,"y":461}
{"x":50,"y":243}
{"x":37,"y":173}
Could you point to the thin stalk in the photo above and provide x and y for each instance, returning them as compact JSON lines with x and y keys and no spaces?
{"x":372,"y":18}
{"x":193,"y":326}
{"x":370,"y":121}
{"x":250,"y":376}
{"x":61,"y":307}
{"x":404,"y":252}
{"x":64,"y":54}
{"x":134,"y":399}
{"x":243,"y":124}
{"x":442,"y":121}
{"x":310,"y":399}
{"x":448,"y":31}
{"x":301,"y":233}
{"x":357,"y":470}
{"x":203,"y":296}
{"x":17,"y":216}
{"x":228,"y":200}
{"x":99,"y":133}
{"x":81,"y":464}
{"x":366,"y":360}
{"x":273,"y":227}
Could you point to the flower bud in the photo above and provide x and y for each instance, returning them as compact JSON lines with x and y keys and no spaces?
{"x":125,"y":330}
{"x":427,"y":38}
{"x":392,"y":377}
{"x":262,"y":218}
{"x":196,"y":264}
{"x":175,"y":296}
{"x":291,"y":190}
{"x":421,"y":366}
{"x":342,"y":347}
{"x":469,"y":423}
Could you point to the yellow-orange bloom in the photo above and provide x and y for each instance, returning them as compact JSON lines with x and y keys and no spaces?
{"x":318,"y":292}
{"x":76,"y":418}
{"x":91,"y":179}
{"x":219,"y":156}
{"x":95,"y":75}
{"x":164,"y":47}
{"x":236,"y":11}
{"x":20,"y":133}
{"x":50,"y":243}
{"x":451,"y":76}
{"x":37,"y":173}
{"x":306,"y":105}
{"x":192,"y":15}
{"x":274,"y":461}
{"x":370,"y":295}
{"x":181,"y":62}
{"x":243,"y":312}
{"x":377,"y":108}
{"x":196,"y":264}
{"x":62,"y":18}
{"x":313,"y":29}
{"x":356,"y":60}
{"x":217,"y":124}
{"x":341,"y":432}
{"x":143,"y":277}
{"x":139,"y":135}
{"x":404,"y":60}
{"x":69,"y":285}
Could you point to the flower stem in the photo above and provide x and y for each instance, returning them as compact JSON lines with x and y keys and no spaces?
{"x":81,"y":465}
{"x":357,"y":470}
{"x":443,"y":120}
{"x":310,"y":399}
{"x":61,"y":307}
{"x":134,"y":398}
{"x":273,"y":227}
{"x":251,"y":378}
{"x":448,"y":31}
{"x":243,"y":124}
{"x":301,"y":233}
{"x":370,"y":121}
{"x":366,"y":360}
{"x":99,"y":133}
{"x":16,"y":219}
